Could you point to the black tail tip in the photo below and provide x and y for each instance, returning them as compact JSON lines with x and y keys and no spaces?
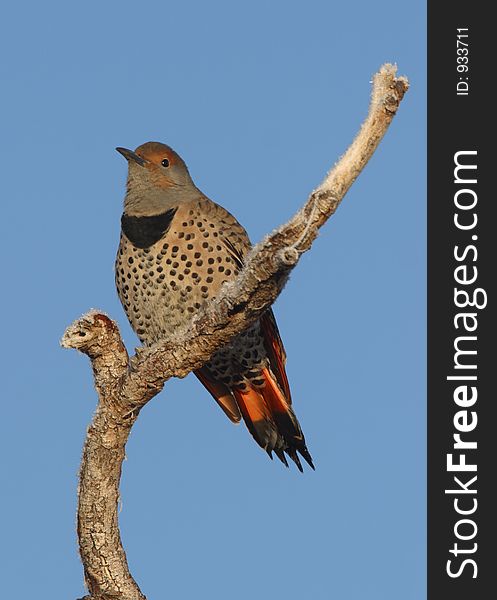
{"x":307,"y":457}
{"x":281,"y":455}
{"x":292,"y":453}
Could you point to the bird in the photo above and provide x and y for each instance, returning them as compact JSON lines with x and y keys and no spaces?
{"x":177,"y":248}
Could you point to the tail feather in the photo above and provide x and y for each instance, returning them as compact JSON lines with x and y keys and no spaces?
{"x":285,"y":419}
{"x":257,"y":417}
{"x":271,"y":420}
{"x":264,"y":404}
{"x":281,"y":455}
{"x":266,"y":413}
{"x":292,"y":453}
{"x":307,"y":457}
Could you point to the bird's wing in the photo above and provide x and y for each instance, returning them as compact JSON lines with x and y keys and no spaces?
{"x":276,"y":352}
{"x":221,"y":394}
{"x":235,"y":252}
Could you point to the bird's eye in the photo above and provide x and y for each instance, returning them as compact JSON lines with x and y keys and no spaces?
{"x":165,"y":162}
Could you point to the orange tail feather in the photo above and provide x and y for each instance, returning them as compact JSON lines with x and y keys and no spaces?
{"x":285,"y":419}
{"x":271,"y":420}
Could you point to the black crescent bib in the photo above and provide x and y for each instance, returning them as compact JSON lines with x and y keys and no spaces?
{"x":143,"y":232}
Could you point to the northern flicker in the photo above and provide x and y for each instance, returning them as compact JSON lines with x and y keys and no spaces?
{"x":177,"y":248}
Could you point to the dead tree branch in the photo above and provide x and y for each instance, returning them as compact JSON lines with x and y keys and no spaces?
{"x":125,"y":385}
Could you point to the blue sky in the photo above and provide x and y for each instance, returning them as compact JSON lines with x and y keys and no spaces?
{"x":260,"y":99}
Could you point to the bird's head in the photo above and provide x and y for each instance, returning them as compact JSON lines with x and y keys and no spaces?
{"x":158,"y":178}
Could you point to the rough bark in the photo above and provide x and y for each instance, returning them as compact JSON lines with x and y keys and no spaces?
{"x":125,"y":385}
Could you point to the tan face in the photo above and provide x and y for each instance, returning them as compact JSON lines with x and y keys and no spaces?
{"x":158,"y":165}
{"x":158,"y":180}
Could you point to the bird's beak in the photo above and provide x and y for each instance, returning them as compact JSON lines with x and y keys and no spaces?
{"x":130,"y":155}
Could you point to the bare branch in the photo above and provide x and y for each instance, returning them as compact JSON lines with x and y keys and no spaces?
{"x":125,"y":385}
